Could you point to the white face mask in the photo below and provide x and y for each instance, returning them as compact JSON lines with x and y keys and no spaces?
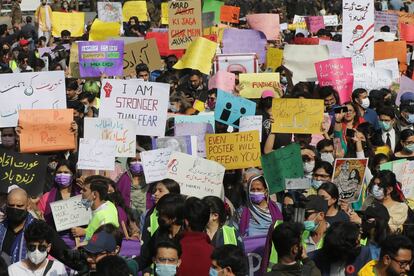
{"x":378,"y":192}
{"x":308,"y":167}
{"x":36,"y":256}
{"x":365,"y":103}
{"x":327,"y":157}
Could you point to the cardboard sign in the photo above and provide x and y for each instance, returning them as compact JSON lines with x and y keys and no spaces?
{"x":234,"y":150}
{"x":96,"y":154}
{"x":162,"y":42}
{"x":358,"y":31}
{"x":314,"y":23}
{"x":144,"y":102}
{"x":74,"y":22}
{"x":110,"y":11}
{"x":393,"y":49}
{"x":349,"y":176}
{"x":372,"y":78}
{"x":195,"y":129}
{"x":230,"y":108}
{"x":274,"y":57}
{"x":28,"y":171}
{"x":248,"y":123}
{"x":215,"y":7}
{"x":101,"y":57}
{"x":207,"y":19}
{"x":222,"y":80}
{"x":297,"y":116}
{"x":337,"y":73}
{"x":46,"y":130}
{"x":141,"y":52}
{"x":155,"y":164}
{"x":280,"y":164}
{"x":384,"y":18}
{"x":268,"y":23}
{"x":101,"y":31}
{"x":197,"y":176}
{"x":39,"y":90}
{"x":123,"y":132}
{"x":254,"y":84}
{"x":229,"y":14}
{"x":185,"y":144}
{"x":135,"y":8}
{"x":70,"y":213}
{"x":184,"y":23}
{"x":237,"y":41}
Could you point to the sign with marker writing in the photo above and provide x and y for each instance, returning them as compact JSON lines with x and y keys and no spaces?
{"x":39,"y":90}
{"x":145,"y":51}
{"x":234,"y":150}
{"x":46,"y":130}
{"x":195,"y":129}
{"x":384,"y":18}
{"x":297,"y":116}
{"x":184,"y":23}
{"x":144,"y":102}
{"x":248,"y":123}
{"x":197,"y":176}
{"x":229,"y":14}
{"x":155,"y":163}
{"x":28,"y":171}
{"x":135,"y":8}
{"x":96,"y":154}
{"x":372,"y":78}
{"x":222,"y":80}
{"x":254,"y":84}
{"x":186,"y":143}
{"x":123,"y":132}
{"x":70,"y":213}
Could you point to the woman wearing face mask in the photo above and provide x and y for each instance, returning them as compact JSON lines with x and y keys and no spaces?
{"x":308,"y":158}
{"x":321,"y":173}
{"x":260,"y":211}
{"x":180,"y":105}
{"x":406,"y":148}
{"x":330,"y":193}
{"x":64,"y":188}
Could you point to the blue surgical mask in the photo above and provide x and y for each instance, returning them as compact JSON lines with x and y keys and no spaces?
{"x":310,"y":225}
{"x":410,"y":118}
{"x":86,"y":203}
{"x":316,"y":183}
{"x":409,"y":148}
{"x":165,"y":269}
{"x":213,"y":272}
{"x":385,"y":126}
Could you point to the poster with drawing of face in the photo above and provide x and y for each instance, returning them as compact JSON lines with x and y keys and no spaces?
{"x":348,"y":176}
{"x":176,"y":143}
{"x":110,"y":11}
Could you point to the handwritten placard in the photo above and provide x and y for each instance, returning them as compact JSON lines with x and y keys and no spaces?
{"x":145,"y":51}
{"x":135,"y":8}
{"x":110,"y":11}
{"x":248,"y":123}
{"x":162,"y":42}
{"x":297,"y":116}
{"x":96,"y":154}
{"x":254,"y":84}
{"x":74,"y":22}
{"x":28,"y":171}
{"x":237,"y":41}
{"x":197,"y":176}
{"x":392,"y":49}
{"x":268,"y":23}
{"x":183,"y":143}
{"x":144,"y":102}
{"x":331,"y":20}
{"x":70,"y":213}
{"x":229,"y":14}
{"x":314,"y":23}
{"x":274,"y":57}
{"x":222,"y":80}
{"x":101,"y":30}
{"x":155,"y":163}
{"x":195,"y":129}
{"x":39,"y":90}
{"x":372,"y":78}
{"x":234,"y":150}
{"x":184,"y":23}
{"x":123,"y":132}
{"x":46,"y":130}
{"x":335,"y":48}
{"x":384,"y":18}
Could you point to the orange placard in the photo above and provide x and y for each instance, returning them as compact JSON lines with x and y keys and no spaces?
{"x":229,"y":14}
{"x":45,"y":130}
{"x":392,"y":49}
{"x":407,"y":32}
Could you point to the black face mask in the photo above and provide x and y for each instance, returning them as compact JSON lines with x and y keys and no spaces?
{"x":288,"y":212}
{"x":15,"y":216}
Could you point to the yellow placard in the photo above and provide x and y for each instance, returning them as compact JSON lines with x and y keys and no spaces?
{"x":274,"y":57}
{"x":164,"y":13}
{"x":73,"y":22}
{"x":297,"y":116}
{"x":234,"y":150}
{"x":135,"y":8}
{"x":254,"y":84}
{"x":199,"y":55}
{"x":103,"y":30}
{"x":216,"y":30}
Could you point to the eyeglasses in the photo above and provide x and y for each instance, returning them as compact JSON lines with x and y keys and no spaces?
{"x":403,"y":264}
{"x":32,"y":247}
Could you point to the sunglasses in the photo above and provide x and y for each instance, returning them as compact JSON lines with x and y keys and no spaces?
{"x":32,"y":247}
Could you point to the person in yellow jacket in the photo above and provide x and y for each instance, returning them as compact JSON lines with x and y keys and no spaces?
{"x":43,"y":19}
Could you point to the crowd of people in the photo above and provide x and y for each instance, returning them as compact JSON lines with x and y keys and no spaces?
{"x":305,"y":232}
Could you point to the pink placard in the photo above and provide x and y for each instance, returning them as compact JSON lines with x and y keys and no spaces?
{"x":314,"y":23}
{"x":337,"y":73}
{"x":407,"y":32}
{"x":222,"y":80}
{"x":268,"y":23}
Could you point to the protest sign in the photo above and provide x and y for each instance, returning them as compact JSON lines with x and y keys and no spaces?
{"x":389,"y":64}
{"x":281,"y":164}
{"x":230,"y":108}
{"x":403,"y":17}
{"x":297,"y":116}
{"x":207,"y":19}
{"x":383,"y":18}
{"x":101,"y":31}
{"x":229,"y":14}
{"x":335,"y":48}
{"x":135,"y":8}
{"x":268,"y":23}
{"x":39,"y":90}
{"x":385,"y":36}
{"x":406,"y":85}
{"x":370,"y":78}
{"x":185,"y":144}
{"x":144,"y":102}
{"x":337,"y":73}
{"x":28,"y":171}
{"x":314,"y":23}
{"x":348,"y":176}
{"x":195,"y":129}
{"x":110,"y":11}
{"x":197,"y":176}
{"x":52,"y":51}
{"x":404,"y":172}
{"x":70,"y":213}
{"x":155,"y":163}
{"x":74,"y":22}
{"x":237,"y":41}
{"x":96,"y":154}
{"x":306,"y":40}
{"x":46,"y":130}
{"x":145,"y":51}
{"x":123,"y":132}
{"x":393,"y":49}
{"x":101,"y":57}
{"x":222,"y":80}
{"x":254,"y":84}
{"x":199,"y":55}
{"x":204,"y":118}
{"x":254,"y":122}
{"x":184,"y":23}
{"x":274,"y":57}
{"x":74,"y":61}
{"x":331,"y":20}
{"x":358,"y":31}
{"x":407,"y":32}
{"x":242,"y":63}
{"x":297,"y":183}
{"x":162,"y":42}
{"x":164,"y":13}
{"x":213,"y":6}
{"x":300,"y":60}
{"x":234,"y":150}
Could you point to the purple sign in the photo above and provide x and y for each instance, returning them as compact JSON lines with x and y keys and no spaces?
{"x":101,"y":57}
{"x":236,"y":41}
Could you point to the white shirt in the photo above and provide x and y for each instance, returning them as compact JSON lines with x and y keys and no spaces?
{"x":392,"y":138}
{"x":18,"y":269}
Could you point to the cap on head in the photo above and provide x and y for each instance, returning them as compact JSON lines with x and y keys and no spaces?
{"x":23,"y":42}
{"x":267,"y":94}
{"x":101,"y":242}
{"x":407,"y":96}
{"x":316,"y":203}
{"x":377,"y":210}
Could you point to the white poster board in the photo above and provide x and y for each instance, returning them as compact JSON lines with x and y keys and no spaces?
{"x":370,"y":78}
{"x":248,"y":123}
{"x":70,"y":213}
{"x":155,"y":164}
{"x":110,"y":11}
{"x":96,"y":154}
